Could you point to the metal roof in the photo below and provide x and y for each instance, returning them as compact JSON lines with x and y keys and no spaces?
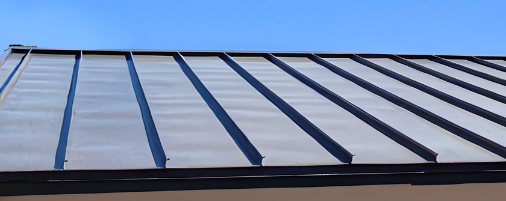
{"x":140,"y":110}
{"x":120,"y":109}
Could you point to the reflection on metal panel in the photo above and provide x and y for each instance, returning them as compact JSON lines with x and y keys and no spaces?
{"x":107,"y":130}
{"x":449,"y":112}
{"x":275,"y":136}
{"x":190,"y":133}
{"x":343,"y":127}
{"x":32,"y":114}
{"x":450,"y":148}
{"x":448,"y":88}
{"x":492,"y":86}
{"x":478,"y":67}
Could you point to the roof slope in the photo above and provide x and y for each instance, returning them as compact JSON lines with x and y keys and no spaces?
{"x":106,"y":109}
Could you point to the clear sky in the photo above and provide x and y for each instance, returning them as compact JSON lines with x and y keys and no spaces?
{"x":396,"y":26}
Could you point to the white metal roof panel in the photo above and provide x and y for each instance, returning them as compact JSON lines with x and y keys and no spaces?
{"x":107,"y":130}
{"x":188,"y":129}
{"x":441,"y":85}
{"x":461,"y":75}
{"x":450,"y":148}
{"x":32,"y":114}
{"x":365,"y":143}
{"x":449,"y":112}
{"x":498,"y":62}
{"x":478,"y":67}
{"x":277,"y":138}
{"x":213,"y":110}
{"x":9,"y":65}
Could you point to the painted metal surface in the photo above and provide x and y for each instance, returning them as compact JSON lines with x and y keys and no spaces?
{"x":32,"y":114}
{"x":468,"y":70}
{"x":481,"y":68}
{"x":107,"y":130}
{"x":5,"y":56}
{"x":323,"y":139}
{"x":149,"y":125}
{"x":206,"y":109}
{"x":450,"y":79}
{"x":340,"y":125}
{"x":448,"y":88}
{"x":492,"y":86}
{"x":242,"y":141}
{"x":271,"y":131}
{"x":9,"y":65}
{"x":502,"y":63}
{"x":191,"y":135}
{"x":13,"y":77}
{"x":434,"y":92}
{"x":377,"y":124}
{"x":451,"y":113}
{"x":61,"y":150}
{"x":450,"y":148}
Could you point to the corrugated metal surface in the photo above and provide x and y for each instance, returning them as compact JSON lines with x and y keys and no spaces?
{"x":212,"y":110}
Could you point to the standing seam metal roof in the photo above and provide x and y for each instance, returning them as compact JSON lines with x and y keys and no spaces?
{"x":131,"y":109}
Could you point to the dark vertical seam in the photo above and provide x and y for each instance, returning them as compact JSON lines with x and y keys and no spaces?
{"x":149,"y":125}
{"x":67,"y":118}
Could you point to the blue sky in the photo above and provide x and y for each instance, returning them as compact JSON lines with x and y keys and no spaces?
{"x":453,"y":27}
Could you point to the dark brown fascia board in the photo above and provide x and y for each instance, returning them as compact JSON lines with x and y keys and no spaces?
{"x":254,"y":171}
{"x":289,"y":181}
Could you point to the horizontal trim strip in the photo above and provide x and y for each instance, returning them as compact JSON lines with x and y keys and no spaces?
{"x":173,"y":173}
{"x":108,"y":186}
